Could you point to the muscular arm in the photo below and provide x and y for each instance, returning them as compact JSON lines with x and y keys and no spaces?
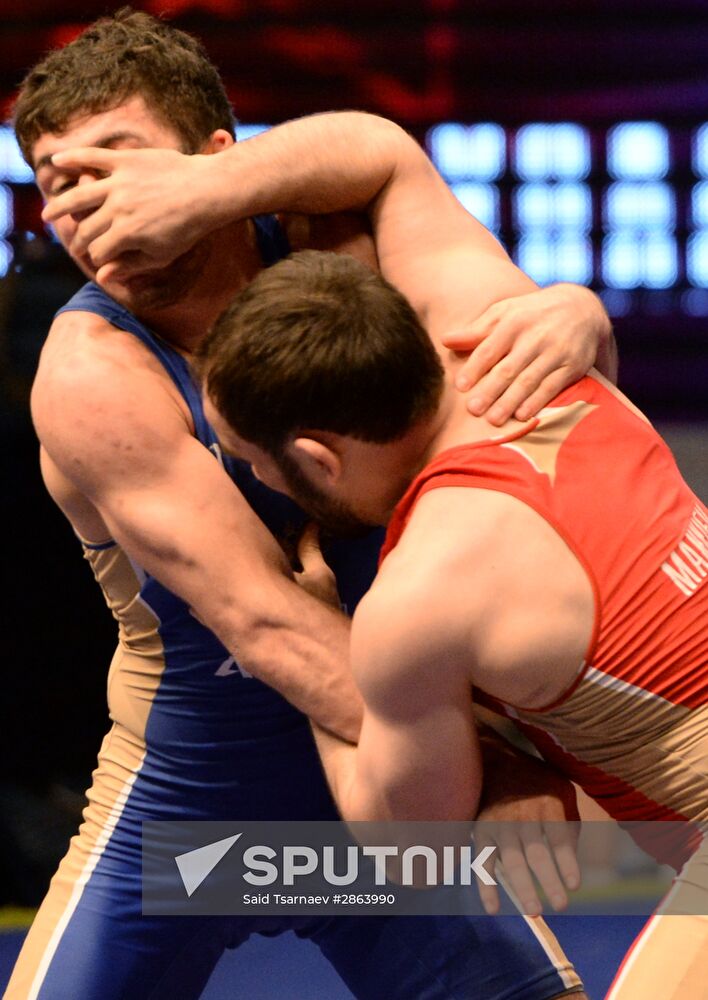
{"x":418,"y":756}
{"x":329,"y":163}
{"x":452,"y":608}
{"x":113,"y":429}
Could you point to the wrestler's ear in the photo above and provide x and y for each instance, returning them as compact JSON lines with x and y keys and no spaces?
{"x":218,"y":141}
{"x":319,"y":461}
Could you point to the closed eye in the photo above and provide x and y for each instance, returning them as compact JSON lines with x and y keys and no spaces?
{"x":62,"y":186}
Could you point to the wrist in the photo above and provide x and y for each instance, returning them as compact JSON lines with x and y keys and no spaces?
{"x":213,"y":191}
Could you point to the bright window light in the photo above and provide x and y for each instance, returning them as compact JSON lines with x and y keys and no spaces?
{"x":699,"y":204}
{"x":553,"y":206}
{"x":700,"y":151}
{"x":552,"y":152}
{"x":638,"y":151}
{"x":13,"y":168}
{"x":7,"y":222}
{"x":568,"y":258}
{"x":5,"y":258}
{"x":697,"y":259}
{"x":248,"y":131}
{"x":632,"y":259}
{"x":480,"y":200}
{"x":474,"y":152}
{"x":640,"y":206}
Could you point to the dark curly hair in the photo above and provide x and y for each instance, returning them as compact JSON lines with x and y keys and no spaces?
{"x":129,"y":53}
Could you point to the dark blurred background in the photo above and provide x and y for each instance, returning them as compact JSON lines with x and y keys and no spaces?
{"x":576,"y":129}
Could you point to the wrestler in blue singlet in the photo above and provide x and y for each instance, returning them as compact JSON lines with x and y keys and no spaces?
{"x":195,"y":739}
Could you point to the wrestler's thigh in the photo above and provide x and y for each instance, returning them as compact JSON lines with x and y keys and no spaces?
{"x":445,"y":958}
{"x":91,"y":941}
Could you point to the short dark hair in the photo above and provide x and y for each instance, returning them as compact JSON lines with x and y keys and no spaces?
{"x":118,"y":57}
{"x":320,"y":342}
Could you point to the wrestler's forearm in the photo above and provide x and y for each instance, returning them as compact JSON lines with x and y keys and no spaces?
{"x":275,"y":631}
{"x":300,"y":647}
{"x":338,"y":757}
{"x":319,"y":164}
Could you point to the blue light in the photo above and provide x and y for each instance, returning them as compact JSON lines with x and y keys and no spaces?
{"x":616,"y":302}
{"x":632,"y":259}
{"x":638,"y":151}
{"x":5,"y":258}
{"x":699,"y":204}
{"x":12,"y":167}
{"x":244,"y":132}
{"x":695,"y":302}
{"x":697,"y":259}
{"x":568,"y":258}
{"x":7,"y":221}
{"x":553,"y":206}
{"x":700,"y":151}
{"x":552,"y":152}
{"x":621,"y":267}
{"x":640,"y":206}
{"x":474,"y":152}
{"x":480,"y":200}
{"x":660,"y":264}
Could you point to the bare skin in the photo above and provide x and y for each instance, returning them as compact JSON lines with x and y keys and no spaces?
{"x":149,"y":475}
{"x":150,"y":205}
{"x":419,"y":614}
{"x":463,"y":599}
{"x":147,"y":482}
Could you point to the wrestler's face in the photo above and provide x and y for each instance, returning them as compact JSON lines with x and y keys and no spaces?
{"x":333,"y":509}
{"x":130,"y":125}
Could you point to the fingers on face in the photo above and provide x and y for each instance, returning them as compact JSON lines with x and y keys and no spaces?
{"x":87,"y":158}
{"x":80,"y":198}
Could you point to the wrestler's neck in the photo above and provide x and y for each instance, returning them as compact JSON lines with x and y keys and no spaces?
{"x":233,"y":262}
{"x":454,"y":425}
{"x":399,"y":462}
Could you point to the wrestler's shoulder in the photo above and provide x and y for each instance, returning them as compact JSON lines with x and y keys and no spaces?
{"x":93,"y":377}
{"x":78,"y":341}
{"x":86,"y":359}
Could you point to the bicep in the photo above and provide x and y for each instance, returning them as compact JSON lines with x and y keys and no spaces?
{"x":185,"y":522}
{"x":418,"y":755}
{"x":124,"y":443}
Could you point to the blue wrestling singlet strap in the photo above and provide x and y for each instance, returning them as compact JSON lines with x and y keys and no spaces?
{"x":92,"y":298}
{"x":272,"y":244}
{"x":272,"y":241}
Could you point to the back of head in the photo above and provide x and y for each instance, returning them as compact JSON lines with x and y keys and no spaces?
{"x":118,"y":57}
{"x":320,"y":342}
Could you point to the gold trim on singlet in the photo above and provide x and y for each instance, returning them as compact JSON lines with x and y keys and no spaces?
{"x":133,"y":680}
{"x":541,"y":445}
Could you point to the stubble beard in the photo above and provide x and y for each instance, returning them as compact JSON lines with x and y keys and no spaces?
{"x":159,"y":289}
{"x":334,"y":516}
